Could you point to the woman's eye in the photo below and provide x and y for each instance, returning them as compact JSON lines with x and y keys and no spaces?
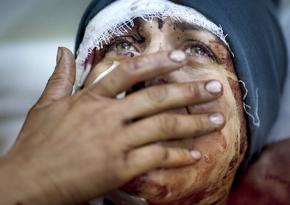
{"x":197,"y":51}
{"x":125,"y":48}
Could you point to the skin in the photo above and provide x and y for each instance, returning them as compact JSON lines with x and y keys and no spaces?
{"x":209,"y":180}
{"x":67,"y":155}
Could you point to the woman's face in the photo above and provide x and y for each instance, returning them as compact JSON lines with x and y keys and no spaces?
{"x":208,"y":181}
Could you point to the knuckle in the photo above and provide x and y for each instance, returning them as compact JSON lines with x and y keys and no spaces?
{"x":157,"y":95}
{"x":160,"y":152}
{"x":194,"y":90}
{"x":167,"y":124}
{"x":165,"y":154}
{"x":87,"y":109}
{"x":93,"y":96}
{"x":125,"y":140}
{"x":119,"y":175}
{"x":56,"y":79}
{"x":199,"y":121}
{"x":200,"y":125}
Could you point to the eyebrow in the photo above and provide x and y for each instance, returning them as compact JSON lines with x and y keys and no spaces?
{"x":184,"y":26}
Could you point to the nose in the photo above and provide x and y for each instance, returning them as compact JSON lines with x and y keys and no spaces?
{"x":159,"y":43}
{"x":159,"y":40}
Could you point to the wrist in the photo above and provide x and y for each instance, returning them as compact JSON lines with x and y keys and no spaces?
{"x":20,"y":185}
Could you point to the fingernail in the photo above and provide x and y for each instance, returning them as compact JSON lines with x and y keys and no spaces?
{"x":217,"y":119}
{"x":59,"y":55}
{"x":214,"y":87}
{"x":195,"y":154}
{"x":177,"y":56}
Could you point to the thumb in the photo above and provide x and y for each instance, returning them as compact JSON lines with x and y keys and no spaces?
{"x":62,"y":80}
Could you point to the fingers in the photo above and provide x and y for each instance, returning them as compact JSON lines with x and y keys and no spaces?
{"x":160,"y":98}
{"x":170,"y":126}
{"x":152,"y":157}
{"x":61,"y":82}
{"x":137,"y":70}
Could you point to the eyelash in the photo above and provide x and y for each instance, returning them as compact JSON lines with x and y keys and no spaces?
{"x":204,"y":48}
{"x":129,"y":41}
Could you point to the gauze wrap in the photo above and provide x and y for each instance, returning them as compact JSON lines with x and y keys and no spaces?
{"x":254,"y":36}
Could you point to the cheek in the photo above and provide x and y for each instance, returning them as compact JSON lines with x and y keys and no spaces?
{"x":243,"y":130}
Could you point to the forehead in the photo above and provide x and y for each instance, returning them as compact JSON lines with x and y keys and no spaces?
{"x":172,"y":28}
{"x":178,"y":25}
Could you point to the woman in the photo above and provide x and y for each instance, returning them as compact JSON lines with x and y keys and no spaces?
{"x":162,"y":26}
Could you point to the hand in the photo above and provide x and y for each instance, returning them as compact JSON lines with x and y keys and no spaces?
{"x":75,"y":148}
